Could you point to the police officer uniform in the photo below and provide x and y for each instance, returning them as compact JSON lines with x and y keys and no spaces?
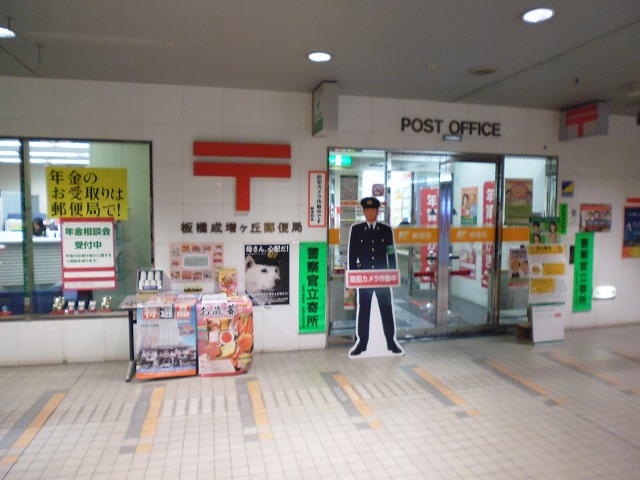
{"x":371,"y":247}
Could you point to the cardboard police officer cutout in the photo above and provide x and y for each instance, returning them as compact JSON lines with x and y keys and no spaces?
{"x":371,"y":248}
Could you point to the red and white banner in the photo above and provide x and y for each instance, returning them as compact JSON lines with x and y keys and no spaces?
{"x":88,"y":254}
{"x":429,"y":206}
{"x":488,"y":215}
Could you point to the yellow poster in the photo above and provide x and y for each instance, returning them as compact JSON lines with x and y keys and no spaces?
{"x":87,"y":192}
{"x":546,"y":282}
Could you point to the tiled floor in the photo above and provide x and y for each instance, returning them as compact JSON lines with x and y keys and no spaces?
{"x":480,"y":408}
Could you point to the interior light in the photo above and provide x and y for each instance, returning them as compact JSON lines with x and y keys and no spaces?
{"x":604,"y":292}
{"x":61,"y":154}
{"x":319,"y":57}
{"x":69,"y":162}
{"x":538,"y":15}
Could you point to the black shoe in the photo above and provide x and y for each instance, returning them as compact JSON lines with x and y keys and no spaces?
{"x":395,"y":349}
{"x":358,"y":350}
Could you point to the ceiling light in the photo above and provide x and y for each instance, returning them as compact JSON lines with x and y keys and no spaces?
{"x":319,"y":57}
{"x":538,"y":15}
{"x":6,"y":32}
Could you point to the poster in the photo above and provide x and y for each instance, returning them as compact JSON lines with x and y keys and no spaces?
{"x":191,"y":263}
{"x":488,"y":215}
{"x":631,"y":238}
{"x":313,"y":287}
{"x":595,"y":217}
{"x":224,"y":335}
{"x":469,"y":206}
{"x":546,"y":277}
{"x":317,"y":188}
{"x":518,"y":268}
{"x":348,"y":188}
{"x":518,"y":201}
{"x":88,"y":254}
{"x":228,"y":281}
{"x":166,"y":340}
{"x":87,"y":192}
{"x":543,"y":230}
{"x":266,"y":274}
{"x":429,"y":206}
{"x":468,"y":261}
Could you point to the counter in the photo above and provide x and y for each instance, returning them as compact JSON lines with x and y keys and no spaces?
{"x":47,"y":258}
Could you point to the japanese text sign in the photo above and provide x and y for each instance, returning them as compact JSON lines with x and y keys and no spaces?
{"x":583,"y":272}
{"x":87,"y":192}
{"x":372,"y":278}
{"x":313,"y":287}
{"x":88,"y":254}
{"x":317,"y":199}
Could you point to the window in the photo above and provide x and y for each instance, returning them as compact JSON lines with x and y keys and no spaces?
{"x":31,"y":274}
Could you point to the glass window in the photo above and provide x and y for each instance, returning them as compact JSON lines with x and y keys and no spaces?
{"x":31,"y":274}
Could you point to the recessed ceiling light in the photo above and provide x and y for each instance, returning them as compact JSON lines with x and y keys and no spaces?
{"x":6,"y":33}
{"x":538,"y":15}
{"x":319,"y":57}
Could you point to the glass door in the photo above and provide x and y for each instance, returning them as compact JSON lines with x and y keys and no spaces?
{"x":445,"y":242}
{"x":414,"y":204}
{"x":458,"y":220}
{"x":467,"y":240}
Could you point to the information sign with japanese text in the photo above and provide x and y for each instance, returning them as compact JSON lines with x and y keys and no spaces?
{"x":313,"y":287}
{"x":88,"y":254}
{"x":583,"y":272}
{"x":87,"y":192}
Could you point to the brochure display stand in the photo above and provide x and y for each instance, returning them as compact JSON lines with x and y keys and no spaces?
{"x":186,"y":334}
{"x":546,"y":292}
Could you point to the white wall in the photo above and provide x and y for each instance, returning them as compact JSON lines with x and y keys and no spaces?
{"x":605,"y":169}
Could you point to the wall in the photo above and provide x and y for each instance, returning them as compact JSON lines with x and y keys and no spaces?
{"x":172,"y":117}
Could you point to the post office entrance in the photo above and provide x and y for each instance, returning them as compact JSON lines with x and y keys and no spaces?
{"x":457,"y":218}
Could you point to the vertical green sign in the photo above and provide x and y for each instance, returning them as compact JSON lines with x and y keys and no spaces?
{"x":313,"y":287}
{"x":583,"y":272}
{"x":563,"y":218}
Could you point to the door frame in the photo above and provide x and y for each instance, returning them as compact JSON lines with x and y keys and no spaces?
{"x":443,"y":302}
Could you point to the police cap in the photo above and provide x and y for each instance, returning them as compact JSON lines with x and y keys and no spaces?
{"x":370,"y":202}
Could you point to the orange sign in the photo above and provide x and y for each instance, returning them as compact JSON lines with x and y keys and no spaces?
{"x":404,"y":236}
{"x":420,"y":235}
